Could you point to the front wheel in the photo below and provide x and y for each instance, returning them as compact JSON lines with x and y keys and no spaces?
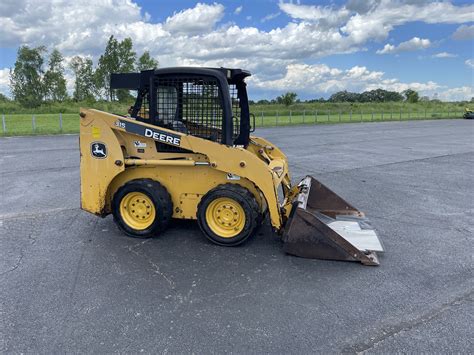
{"x":228,"y":214}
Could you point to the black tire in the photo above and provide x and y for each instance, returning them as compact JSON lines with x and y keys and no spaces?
{"x":160,"y":199}
{"x":245,"y":199}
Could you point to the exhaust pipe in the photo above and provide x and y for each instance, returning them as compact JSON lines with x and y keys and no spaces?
{"x":322,"y":225}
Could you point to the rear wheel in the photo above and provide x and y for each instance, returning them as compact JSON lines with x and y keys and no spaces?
{"x":228,"y":215}
{"x":142,"y":208}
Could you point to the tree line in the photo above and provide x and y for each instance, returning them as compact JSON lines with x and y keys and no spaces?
{"x":37,"y":77}
{"x":378,"y":95}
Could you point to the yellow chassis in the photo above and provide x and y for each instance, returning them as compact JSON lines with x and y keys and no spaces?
{"x":261,"y":167}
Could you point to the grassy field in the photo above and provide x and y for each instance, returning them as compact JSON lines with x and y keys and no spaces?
{"x":277,"y":118}
{"x":25,"y":124}
{"x":32,"y":124}
{"x":377,"y":108}
{"x":20,"y":121}
{"x":10,"y":107}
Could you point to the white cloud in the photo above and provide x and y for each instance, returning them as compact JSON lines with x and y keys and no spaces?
{"x":362,"y":6}
{"x":40,"y":22}
{"x":470,"y":63}
{"x":200,"y":19}
{"x":5,"y":81}
{"x":327,"y":16}
{"x":363,"y":20}
{"x":316,"y":31}
{"x":248,"y":18}
{"x":464,"y":93}
{"x":444,"y":55}
{"x":238,"y":10}
{"x":412,"y":45}
{"x":322,"y":79}
{"x":385,"y":15}
{"x":464,"y":33}
{"x":388,"y":48}
{"x":196,"y":36}
{"x":270,"y":17}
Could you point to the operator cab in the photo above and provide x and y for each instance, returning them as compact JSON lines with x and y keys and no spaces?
{"x":209,"y":103}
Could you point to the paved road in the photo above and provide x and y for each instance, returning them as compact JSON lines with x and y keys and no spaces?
{"x":70,"y":282}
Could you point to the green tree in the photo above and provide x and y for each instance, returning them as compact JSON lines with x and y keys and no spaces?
{"x":26,"y":81}
{"x":54,"y":81}
{"x":411,"y":96}
{"x":3,"y":98}
{"x":345,"y":96}
{"x":118,"y":57}
{"x":127,"y":58}
{"x":393,"y":96}
{"x":84,"y":88}
{"x":108,"y":63}
{"x":287,"y":99}
{"x":146,"y":62}
{"x":378,"y":95}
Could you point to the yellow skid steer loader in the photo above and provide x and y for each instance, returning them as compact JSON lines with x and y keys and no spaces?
{"x":185,"y":151}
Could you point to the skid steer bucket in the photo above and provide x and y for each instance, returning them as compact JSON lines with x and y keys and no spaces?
{"x":322,"y":225}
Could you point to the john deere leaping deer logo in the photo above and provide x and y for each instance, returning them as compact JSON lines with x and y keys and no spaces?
{"x":98,"y":150}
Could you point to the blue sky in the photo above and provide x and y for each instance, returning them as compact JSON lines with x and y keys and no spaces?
{"x":311,"y":47}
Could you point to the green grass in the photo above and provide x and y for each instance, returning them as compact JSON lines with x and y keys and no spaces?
{"x":265,"y":115}
{"x":12,"y":107}
{"x":419,"y":107}
{"x":22,"y":124}
{"x":265,"y":119}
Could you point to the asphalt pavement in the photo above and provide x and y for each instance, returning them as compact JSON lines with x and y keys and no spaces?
{"x":71,"y":282}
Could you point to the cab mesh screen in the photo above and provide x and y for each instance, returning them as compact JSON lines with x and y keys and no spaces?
{"x":194,"y":106}
{"x":190,"y":105}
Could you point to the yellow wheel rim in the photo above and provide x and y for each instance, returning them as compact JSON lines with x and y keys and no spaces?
{"x":137,"y":210}
{"x":225,"y":217}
